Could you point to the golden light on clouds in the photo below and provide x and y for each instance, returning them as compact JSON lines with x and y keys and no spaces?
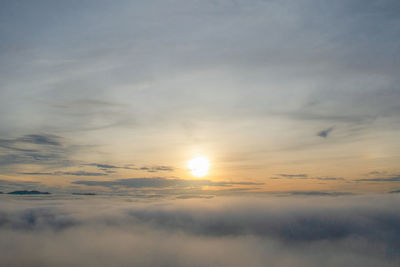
{"x":199,"y":166}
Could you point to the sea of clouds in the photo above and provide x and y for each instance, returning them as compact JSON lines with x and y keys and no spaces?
{"x":221,"y":231}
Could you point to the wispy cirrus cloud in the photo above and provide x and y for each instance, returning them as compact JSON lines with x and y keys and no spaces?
{"x":159,"y":182}
{"x":394,"y":178}
{"x":40,"y":139}
{"x":306,"y":176}
{"x":30,"y":139}
{"x":73,"y":173}
{"x":317,"y":193}
{"x":36,"y":149}
{"x":103,"y":166}
{"x":156,"y":168}
{"x":328,"y":178}
{"x":293,"y":176}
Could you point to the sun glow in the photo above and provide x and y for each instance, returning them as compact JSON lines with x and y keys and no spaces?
{"x":199,"y":166}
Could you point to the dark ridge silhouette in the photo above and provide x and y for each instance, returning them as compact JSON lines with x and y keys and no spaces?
{"x":84,"y":194}
{"x":27,"y":192}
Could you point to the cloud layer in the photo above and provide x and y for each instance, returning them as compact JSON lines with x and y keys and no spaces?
{"x":280,"y":231}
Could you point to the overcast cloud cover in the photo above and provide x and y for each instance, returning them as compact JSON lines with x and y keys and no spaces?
{"x":275,"y":231}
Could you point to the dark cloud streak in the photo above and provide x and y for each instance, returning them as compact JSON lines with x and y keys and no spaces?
{"x":325,"y":133}
{"x":386,"y":179}
{"x":73,"y":173}
{"x":294,"y":176}
{"x":159,"y":182}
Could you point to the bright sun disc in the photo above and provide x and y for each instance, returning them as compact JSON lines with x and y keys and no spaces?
{"x":198,"y":166}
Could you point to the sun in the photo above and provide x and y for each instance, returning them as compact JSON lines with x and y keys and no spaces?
{"x":199,"y":166}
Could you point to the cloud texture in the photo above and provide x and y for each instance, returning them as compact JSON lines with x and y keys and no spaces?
{"x":278,"y":231}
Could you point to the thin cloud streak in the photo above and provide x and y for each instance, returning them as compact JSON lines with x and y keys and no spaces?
{"x":386,"y":179}
{"x":159,"y":182}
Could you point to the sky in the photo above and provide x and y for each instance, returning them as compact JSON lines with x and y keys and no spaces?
{"x":289,"y":95}
{"x":116,"y":109}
